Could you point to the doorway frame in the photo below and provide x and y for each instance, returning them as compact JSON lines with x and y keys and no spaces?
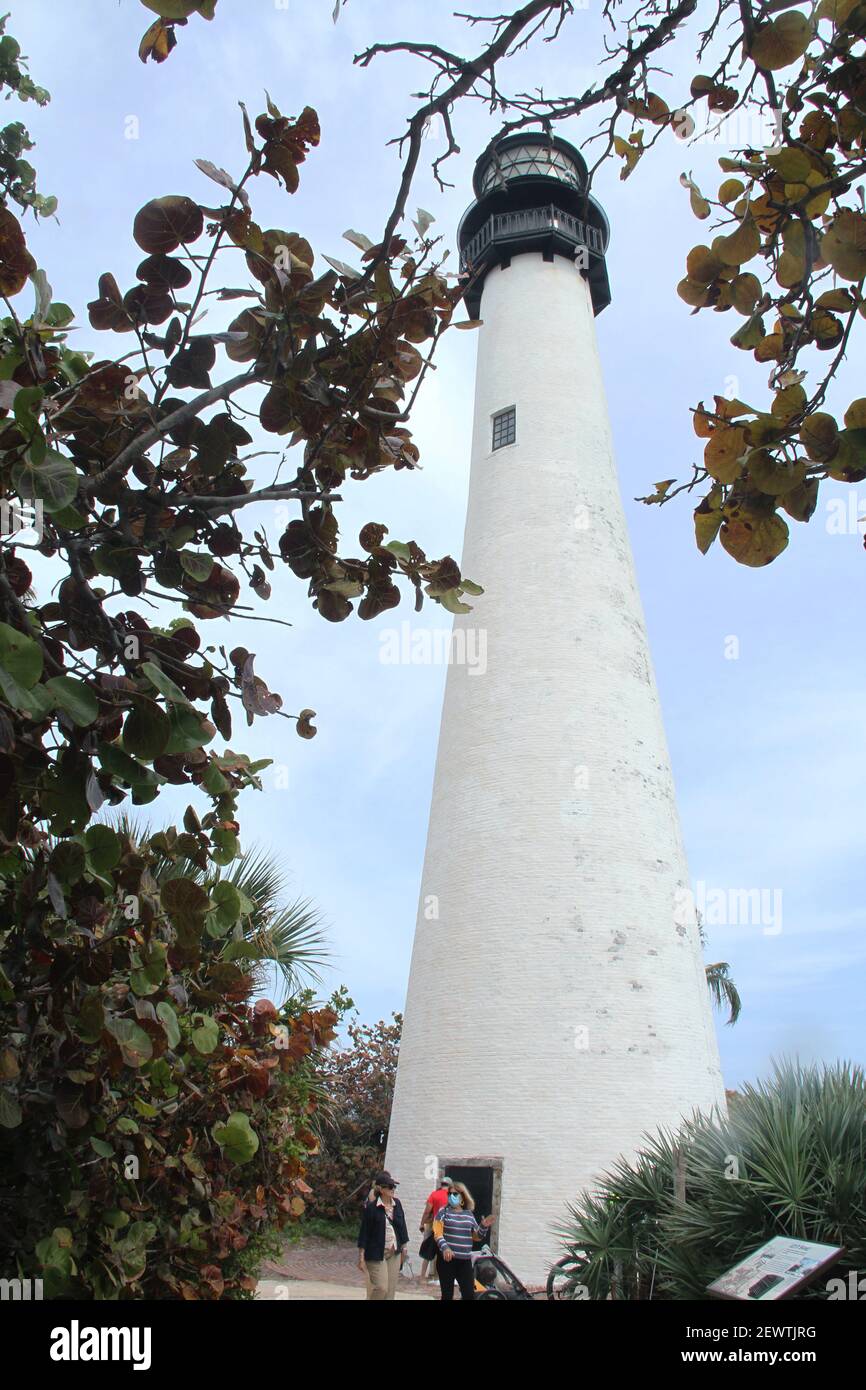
{"x":494,"y":1162}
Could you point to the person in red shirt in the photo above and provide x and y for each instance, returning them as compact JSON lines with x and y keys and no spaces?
{"x":436,"y":1202}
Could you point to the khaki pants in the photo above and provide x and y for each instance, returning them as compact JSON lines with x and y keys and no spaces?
{"x":382,"y":1277}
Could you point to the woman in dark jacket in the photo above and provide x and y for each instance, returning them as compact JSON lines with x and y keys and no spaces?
{"x":382,"y":1239}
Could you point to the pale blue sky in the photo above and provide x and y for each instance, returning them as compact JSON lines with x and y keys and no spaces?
{"x":766,"y":748}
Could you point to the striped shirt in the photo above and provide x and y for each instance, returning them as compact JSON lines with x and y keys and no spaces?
{"x":458,"y":1227}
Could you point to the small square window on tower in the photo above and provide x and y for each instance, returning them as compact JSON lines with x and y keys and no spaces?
{"x":504,"y":427}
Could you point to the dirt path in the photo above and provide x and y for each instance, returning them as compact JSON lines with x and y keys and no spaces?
{"x":328,"y":1262}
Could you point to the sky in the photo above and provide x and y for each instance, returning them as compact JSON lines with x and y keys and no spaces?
{"x":760,"y":672}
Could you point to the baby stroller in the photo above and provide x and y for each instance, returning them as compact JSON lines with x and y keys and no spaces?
{"x":493,"y":1278}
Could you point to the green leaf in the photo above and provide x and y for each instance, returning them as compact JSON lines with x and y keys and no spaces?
{"x":225,"y":846}
{"x":241,"y":950}
{"x":146,"y":730}
{"x":196,"y":565}
{"x":67,"y":862}
{"x":101,"y":1147}
{"x":850,"y":457}
{"x":213,"y":780}
{"x":53,"y":481}
{"x":36,"y":703}
{"x":707,"y":525}
{"x":186,"y":903}
{"x":103,"y":848}
{"x":450,"y":600}
{"x":24,"y":408}
{"x":740,"y":246}
{"x":206,"y":1036}
{"x":790,"y":164}
{"x":91,"y":1018}
{"x":750,"y":333}
{"x":172,"y":9}
{"x":164,"y":684}
{"x":141,"y":985}
{"x":227,"y":909}
{"x":120,"y":765}
{"x":10,"y":1110}
{"x":237,"y":1138}
{"x":20,"y":655}
{"x":115,"y":1218}
{"x":148,"y":978}
{"x":188,"y":730}
{"x":802,"y":501}
{"x":54,"y":1252}
{"x":70,"y":519}
{"x":59,"y":315}
{"x":780,"y":42}
{"x":133,"y":1042}
{"x":76,"y":698}
{"x":168,"y":1018}
{"x":8,"y":364}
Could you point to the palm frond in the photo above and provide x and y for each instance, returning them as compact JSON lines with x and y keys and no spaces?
{"x":293,"y":942}
{"x":289,"y":939}
{"x":788,"y":1159}
{"x":724,"y":992}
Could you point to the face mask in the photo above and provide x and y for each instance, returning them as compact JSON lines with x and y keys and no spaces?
{"x":454,"y":1200}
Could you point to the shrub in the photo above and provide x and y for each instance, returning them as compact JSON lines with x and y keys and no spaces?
{"x":358,"y":1086}
{"x":156,"y":1122}
{"x":789,"y":1159}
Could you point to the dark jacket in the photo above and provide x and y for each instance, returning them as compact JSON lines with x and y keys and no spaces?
{"x":371,"y":1236}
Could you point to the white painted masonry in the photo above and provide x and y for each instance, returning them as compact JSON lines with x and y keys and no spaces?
{"x":557,"y":1008}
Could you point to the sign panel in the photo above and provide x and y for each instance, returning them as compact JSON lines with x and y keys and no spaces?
{"x":776,"y":1270}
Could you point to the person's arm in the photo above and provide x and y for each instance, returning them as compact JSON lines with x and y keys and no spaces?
{"x":362,"y":1237}
{"x":401,"y":1231}
{"x":427,"y":1215}
{"x":439,"y":1237}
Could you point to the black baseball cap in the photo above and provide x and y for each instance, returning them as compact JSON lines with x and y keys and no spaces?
{"x":384,"y":1179}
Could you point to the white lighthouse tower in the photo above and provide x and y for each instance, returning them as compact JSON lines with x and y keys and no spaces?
{"x":557,"y":1007}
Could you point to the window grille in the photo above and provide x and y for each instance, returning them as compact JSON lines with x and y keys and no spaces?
{"x":520,"y":160}
{"x":504,"y":427}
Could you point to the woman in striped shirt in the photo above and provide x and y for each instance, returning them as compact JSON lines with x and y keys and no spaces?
{"x":454,"y":1232}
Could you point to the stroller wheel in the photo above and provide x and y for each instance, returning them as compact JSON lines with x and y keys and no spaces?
{"x":561,"y":1279}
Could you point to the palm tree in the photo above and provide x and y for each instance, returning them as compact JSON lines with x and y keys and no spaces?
{"x":723,"y":991}
{"x":286,"y":936}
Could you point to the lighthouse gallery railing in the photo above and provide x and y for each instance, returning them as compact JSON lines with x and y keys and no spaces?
{"x":502,"y":226}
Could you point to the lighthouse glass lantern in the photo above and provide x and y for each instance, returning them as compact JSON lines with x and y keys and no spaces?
{"x":531,"y":194}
